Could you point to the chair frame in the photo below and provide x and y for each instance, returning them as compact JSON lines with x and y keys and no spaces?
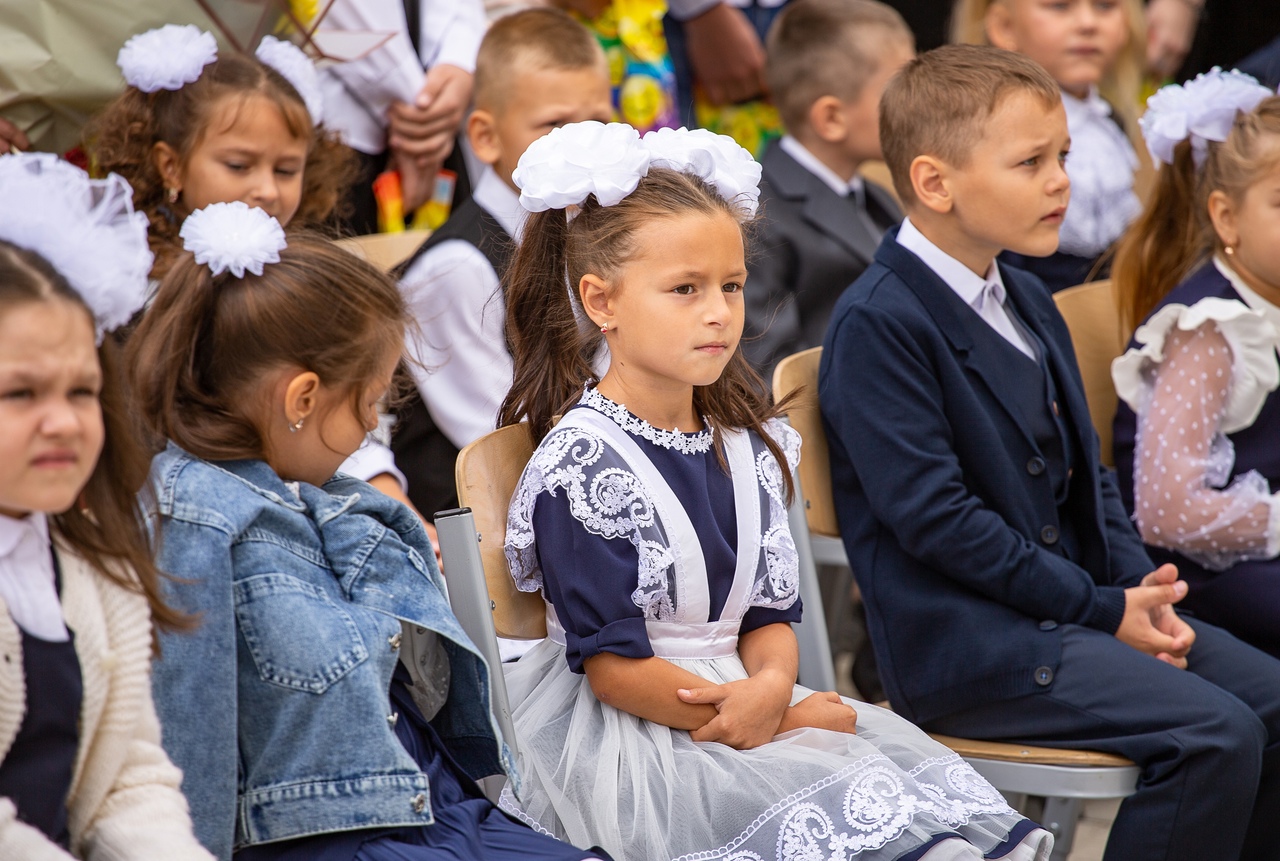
{"x":1065,"y":778}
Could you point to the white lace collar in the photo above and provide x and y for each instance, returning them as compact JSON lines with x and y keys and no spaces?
{"x":685,"y":443}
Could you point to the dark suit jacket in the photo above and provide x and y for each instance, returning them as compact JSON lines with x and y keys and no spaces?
{"x":811,"y":247}
{"x":943,"y":500}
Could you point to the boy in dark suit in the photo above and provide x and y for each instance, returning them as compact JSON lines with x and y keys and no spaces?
{"x":1008,"y":595}
{"x":828,"y":62}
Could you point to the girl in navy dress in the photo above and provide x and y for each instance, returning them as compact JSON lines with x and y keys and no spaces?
{"x":660,"y":718}
{"x":82,"y":773}
{"x":328,"y":706}
{"x":1195,"y":433}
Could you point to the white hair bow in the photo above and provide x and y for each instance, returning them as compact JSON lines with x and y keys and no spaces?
{"x":233,"y":236}
{"x":166,"y":58}
{"x":1203,"y":109}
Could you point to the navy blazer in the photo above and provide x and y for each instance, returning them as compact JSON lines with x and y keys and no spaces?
{"x":946,"y":510}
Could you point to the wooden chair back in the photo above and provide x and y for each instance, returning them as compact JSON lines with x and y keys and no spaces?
{"x":385,"y":250}
{"x":800,"y":371}
{"x":487,"y":472}
{"x":1094,"y":321}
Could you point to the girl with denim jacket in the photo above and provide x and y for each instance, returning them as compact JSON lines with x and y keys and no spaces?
{"x":82,"y":773}
{"x":329,"y":706}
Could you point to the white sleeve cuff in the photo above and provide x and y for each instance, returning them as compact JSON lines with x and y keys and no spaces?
{"x":372,"y":460}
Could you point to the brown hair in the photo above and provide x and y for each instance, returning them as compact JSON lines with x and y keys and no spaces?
{"x":121,"y":139}
{"x":532,"y":39}
{"x":939,"y":103}
{"x":197,"y":359}
{"x":107,"y":526}
{"x":1121,"y":86}
{"x":822,"y":48}
{"x":1174,"y":233}
{"x":552,"y":352}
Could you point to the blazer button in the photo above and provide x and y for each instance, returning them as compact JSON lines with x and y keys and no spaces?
{"x":1044,"y":676}
{"x":419,"y":802}
{"x":1035,"y":466}
{"x":1049,"y":535}
{"x":1048,"y":625}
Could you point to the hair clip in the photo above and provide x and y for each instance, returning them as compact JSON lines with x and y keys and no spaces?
{"x":233,"y":237}
{"x":296,"y":68}
{"x":166,"y":58}
{"x":1203,"y":109}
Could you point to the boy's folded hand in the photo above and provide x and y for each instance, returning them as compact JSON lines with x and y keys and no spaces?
{"x":1150,"y":625}
{"x":750,"y":710}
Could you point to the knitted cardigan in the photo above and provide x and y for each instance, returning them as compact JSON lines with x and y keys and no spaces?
{"x":125,"y":801}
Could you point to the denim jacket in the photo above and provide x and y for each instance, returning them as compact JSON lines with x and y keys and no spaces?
{"x":276,"y":707}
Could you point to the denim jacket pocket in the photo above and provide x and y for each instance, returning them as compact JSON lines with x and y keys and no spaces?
{"x":297,"y":636}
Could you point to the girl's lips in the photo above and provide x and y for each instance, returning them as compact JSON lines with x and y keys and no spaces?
{"x":713,"y":348}
{"x":1056,"y":215}
{"x":56,"y":459}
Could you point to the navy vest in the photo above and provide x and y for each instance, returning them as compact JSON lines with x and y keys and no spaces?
{"x":423,"y":453}
{"x":36,"y":773}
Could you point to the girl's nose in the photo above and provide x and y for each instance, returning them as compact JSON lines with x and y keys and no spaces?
{"x":60,"y":419}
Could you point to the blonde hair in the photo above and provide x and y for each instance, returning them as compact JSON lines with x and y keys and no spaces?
{"x":1121,"y":86}
{"x":1174,"y":233}
{"x":822,"y":48}
{"x":535,"y":38}
{"x":939,"y":103}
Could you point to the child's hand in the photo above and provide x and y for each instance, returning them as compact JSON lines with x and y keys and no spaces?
{"x":821,"y":710}
{"x":1150,"y":625}
{"x":750,"y":710}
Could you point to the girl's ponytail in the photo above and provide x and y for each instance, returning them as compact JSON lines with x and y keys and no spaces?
{"x":1166,"y":241}
{"x":552,"y":357}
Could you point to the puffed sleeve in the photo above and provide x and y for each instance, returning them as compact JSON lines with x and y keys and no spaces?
{"x":1198,"y":374}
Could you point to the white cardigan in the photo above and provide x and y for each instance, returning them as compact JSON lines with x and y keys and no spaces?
{"x":125,"y":801}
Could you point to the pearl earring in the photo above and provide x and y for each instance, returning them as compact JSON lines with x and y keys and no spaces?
{"x":1230,"y":250}
{"x":172,"y":195}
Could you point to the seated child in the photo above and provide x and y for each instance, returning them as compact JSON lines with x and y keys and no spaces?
{"x":828,"y":63}
{"x":1195,"y":440}
{"x":329,"y":706}
{"x":661,"y":718}
{"x":1007,"y":593}
{"x":1087,"y":46}
{"x":81,"y":767}
{"x":536,"y":71}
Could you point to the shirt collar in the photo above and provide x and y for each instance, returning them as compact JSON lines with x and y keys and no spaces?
{"x":1247,"y":293}
{"x":14,"y":530}
{"x":814,"y":165}
{"x":497,"y":198}
{"x":960,"y":278}
{"x":1089,"y":109}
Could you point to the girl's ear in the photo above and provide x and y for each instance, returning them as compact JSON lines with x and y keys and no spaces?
{"x":168,"y":165}
{"x":929,"y":180}
{"x":998,"y":22}
{"x":301,"y":395}
{"x":1222,"y":212}
{"x":595,"y":300}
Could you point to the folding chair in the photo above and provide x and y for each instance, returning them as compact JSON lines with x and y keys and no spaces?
{"x":1065,"y":778}
{"x":385,"y":250}
{"x":1093,"y":318}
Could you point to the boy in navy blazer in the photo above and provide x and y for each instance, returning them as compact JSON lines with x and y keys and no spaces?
{"x":828,"y":64}
{"x":1008,"y":595}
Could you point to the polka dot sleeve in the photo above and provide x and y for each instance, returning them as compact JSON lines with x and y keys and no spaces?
{"x":1183,"y":458}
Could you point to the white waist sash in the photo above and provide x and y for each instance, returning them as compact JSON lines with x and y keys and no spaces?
{"x":674,"y":640}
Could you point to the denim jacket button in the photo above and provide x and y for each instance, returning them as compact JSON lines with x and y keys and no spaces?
{"x":393,"y":718}
{"x":394,"y":641}
{"x":419,"y":802}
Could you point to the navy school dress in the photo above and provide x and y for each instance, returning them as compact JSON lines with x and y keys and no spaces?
{"x":467,"y":827}
{"x":36,"y":773}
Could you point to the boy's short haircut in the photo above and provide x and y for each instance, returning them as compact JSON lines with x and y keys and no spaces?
{"x":939,"y":103}
{"x":533,"y":39}
{"x":822,"y":48}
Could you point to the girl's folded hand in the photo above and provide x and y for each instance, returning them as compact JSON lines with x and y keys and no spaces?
{"x":821,"y":710}
{"x":750,"y":710}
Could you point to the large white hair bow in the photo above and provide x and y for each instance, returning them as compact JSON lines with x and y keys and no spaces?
{"x":560,"y":170}
{"x":167,"y":58}
{"x":1203,"y":109}
{"x":233,"y":236}
{"x":296,"y":68}
{"x":86,"y":229}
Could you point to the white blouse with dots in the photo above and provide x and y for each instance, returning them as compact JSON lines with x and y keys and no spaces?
{"x":1198,"y":374}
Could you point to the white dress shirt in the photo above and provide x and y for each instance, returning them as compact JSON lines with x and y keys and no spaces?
{"x":985,"y":296}
{"x":453,"y":293}
{"x":815,"y":166}
{"x":358,"y":93}
{"x":27,"y":582}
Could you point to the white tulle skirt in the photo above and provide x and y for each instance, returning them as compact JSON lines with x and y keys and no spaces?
{"x":594,"y":775}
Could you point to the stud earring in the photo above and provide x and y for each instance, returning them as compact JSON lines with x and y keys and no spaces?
{"x":1230,"y":250}
{"x":172,"y":194}
{"x":294,"y":428}
{"x":604,"y":330}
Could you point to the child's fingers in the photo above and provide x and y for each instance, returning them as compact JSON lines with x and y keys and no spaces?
{"x":713,"y":695}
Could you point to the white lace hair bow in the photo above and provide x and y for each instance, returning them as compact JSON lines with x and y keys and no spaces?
{"x":166,"y":58}
{"x":1203,"y":109}
{"x":233,"y":236}
{"x":296,"y":68}
{"x":560,"y":170}
{"x":85,"y":228}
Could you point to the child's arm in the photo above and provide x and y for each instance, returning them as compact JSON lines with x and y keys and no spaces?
{"x":646,"y":688}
